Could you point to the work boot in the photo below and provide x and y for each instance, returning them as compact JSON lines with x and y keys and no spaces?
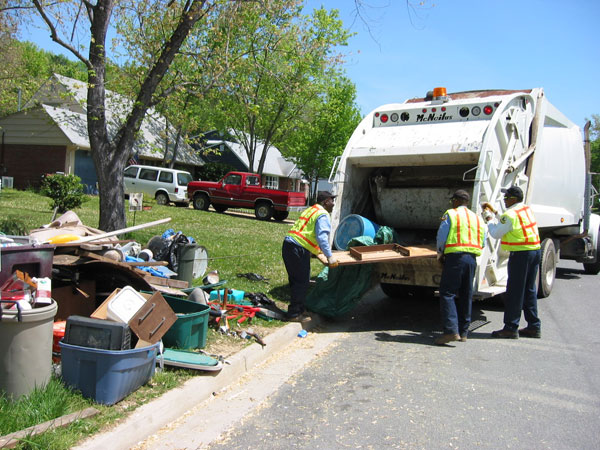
{"x":445,"y":338}
{"x":505,"y":334}
{"x":530,"y":332}
{"x":301,"y":318}
{"x":463,"y":338}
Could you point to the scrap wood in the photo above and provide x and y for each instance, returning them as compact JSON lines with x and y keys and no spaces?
{"x":388,"y":255}
{"x":97,"y":257}
{"x":13,"y":439}
{"x":179,"y":284}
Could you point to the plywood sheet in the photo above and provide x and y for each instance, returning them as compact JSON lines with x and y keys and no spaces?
{"x":386,"y":253}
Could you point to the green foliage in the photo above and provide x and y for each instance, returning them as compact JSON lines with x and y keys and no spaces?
{"x":595,"y":150}
{"x":66,"y":191}
{"x":332,"y":118}
{"x":213,"y":171}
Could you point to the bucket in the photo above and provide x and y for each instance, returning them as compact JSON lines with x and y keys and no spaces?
{"x":26,"y":350}
{"x":353,"y":226}
{"x":193,"y":261}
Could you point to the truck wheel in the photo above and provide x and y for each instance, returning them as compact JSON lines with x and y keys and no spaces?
{"x":201,"y":202}
{"x":547,"y":270}
{"x":162,"y":198}
{"x":220,"y":208}
{"x":280,"y":215}
{"x":263,"y":211}
{"x":594,"y":268}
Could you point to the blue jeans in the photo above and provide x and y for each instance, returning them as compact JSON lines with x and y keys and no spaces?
{"x":456,"y":292}
{"x":521,"y":290}
{"x":297,"y":265}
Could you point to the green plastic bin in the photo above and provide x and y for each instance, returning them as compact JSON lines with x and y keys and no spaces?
{"x":191,"y":326}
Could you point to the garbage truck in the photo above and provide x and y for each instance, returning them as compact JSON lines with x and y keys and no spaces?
{"x":404,"y":161}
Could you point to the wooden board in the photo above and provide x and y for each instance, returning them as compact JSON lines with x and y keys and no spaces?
{"x":383,"y":254}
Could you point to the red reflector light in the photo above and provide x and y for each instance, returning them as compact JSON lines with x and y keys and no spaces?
{"x":384,"y":118}
{"x":376,"y":114}
{"x":424,"y":110}
{"x":488,"y":110}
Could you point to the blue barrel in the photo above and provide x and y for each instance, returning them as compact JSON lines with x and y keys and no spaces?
{"x":353,"y":226}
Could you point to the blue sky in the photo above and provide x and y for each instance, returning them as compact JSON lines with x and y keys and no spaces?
{"x":468,"y":45}
{"x":476,"y":44}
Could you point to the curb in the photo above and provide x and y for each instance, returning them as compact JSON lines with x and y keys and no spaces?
{"x":151,"y":417}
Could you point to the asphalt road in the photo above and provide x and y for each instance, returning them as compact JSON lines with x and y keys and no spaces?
{"x":384,"y":385}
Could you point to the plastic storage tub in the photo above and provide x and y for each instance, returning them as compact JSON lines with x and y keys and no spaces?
{"x":191,"y":326}
{"x":123,"y":306}
{"x":107,"y":376}
{"x":353,"y":226}
{"x":233,"y":295}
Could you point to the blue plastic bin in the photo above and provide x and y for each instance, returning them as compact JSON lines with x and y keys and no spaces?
{"x":353,"y":226}
{"x":107,"y":376}
{"x":233,"y":295}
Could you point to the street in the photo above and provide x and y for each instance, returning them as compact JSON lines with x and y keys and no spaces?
{"x":383,"y":384}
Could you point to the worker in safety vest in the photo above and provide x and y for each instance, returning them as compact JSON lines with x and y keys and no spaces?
{"x":520,"y":236}
{"x":309,"y":235}
{"x":460,"y":240}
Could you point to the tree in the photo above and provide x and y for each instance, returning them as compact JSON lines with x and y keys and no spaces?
{"x":81,"y":24}
{"x":595,"y":150}
{"x":284,"y":57}
{"x":318,"y":140}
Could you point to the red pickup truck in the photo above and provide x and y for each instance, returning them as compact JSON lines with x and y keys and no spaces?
{"x":244,"y":190}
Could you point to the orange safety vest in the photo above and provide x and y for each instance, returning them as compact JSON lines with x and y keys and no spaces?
{"x":303,"y":231}
{"x":466,"y":232}
{"x":524,"y":234}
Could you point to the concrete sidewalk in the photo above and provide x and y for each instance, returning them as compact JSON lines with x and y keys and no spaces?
{"x":151,"y":417}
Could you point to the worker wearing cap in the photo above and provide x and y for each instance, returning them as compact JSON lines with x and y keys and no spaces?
{"x":309,"y":235}
{"x":460,"y":240}
{"x":520,"y":236}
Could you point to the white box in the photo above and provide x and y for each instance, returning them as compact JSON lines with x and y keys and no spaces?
{"x":123,"y":306}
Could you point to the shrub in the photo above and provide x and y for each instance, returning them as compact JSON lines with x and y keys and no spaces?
{"x":66,"y":191}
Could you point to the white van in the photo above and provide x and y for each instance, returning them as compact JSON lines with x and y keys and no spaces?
{"x":165,"y":185}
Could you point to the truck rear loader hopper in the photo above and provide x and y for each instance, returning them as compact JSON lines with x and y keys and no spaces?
{"x":404,"y":161}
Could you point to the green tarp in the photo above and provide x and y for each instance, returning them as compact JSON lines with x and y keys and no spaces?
{"x":337,"y":291}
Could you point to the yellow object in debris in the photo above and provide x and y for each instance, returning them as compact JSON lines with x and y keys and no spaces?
{"x":62,"y":238}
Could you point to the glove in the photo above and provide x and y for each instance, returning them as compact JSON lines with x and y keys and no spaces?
{"x":489,"y":207}
{"x":332,"y":262}
{"x":487,"y":215}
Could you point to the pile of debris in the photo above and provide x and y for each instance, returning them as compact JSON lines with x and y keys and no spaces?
{"x":114,"y":306}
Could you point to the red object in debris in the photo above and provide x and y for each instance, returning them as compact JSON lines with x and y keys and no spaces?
{"x":58,"y":332}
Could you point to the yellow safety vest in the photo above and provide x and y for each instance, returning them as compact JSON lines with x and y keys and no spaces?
{"x":466,"y":232}
{"x":303,"y":231}
{"x":524,"y":234}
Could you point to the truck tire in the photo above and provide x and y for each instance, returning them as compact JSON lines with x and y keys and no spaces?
{"x":263,"y":211}
{"x":162,"y":198}
{"x":594,"y":268}
{"x":547,"y":270}
{"x":201,"y":202}
{"x":220,"y":208}
{"x":280,"y":215}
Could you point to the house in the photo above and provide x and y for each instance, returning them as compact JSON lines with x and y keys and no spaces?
{"x":278,"y":172}
{"x":50,"y":135}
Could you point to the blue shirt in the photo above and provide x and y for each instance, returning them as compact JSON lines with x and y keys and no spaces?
{"x":322,"y":230}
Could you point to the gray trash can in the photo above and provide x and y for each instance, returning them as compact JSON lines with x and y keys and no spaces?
{"x":26,"y":350}
{"x":193,"y":260}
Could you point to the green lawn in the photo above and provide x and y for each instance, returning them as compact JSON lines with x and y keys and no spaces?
{"x":235,"y":244}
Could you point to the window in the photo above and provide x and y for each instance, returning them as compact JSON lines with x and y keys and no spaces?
{"x":130,"y":172}
{"x":234,"y":179}
{"x":271,"y":182}
{"x":252,"y":181}
{"x":166,"y":177}
{"x":148,"y":174}
{"x":183,"y":179}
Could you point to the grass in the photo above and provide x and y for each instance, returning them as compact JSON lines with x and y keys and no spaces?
{"x":235,"y":244}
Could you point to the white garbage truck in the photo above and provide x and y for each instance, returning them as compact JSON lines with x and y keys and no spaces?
{"x":404,"y":161}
